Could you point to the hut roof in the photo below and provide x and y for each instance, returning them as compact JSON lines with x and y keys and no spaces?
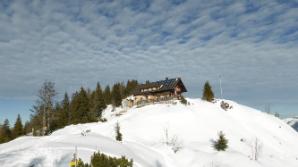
{"x":159,"y":86}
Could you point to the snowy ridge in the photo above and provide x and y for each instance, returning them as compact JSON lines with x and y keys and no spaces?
{"x":192,"y":126}
{"x":292,"y":122}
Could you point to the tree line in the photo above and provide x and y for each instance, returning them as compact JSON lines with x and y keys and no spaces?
{"x":7,"y":133}
{"x":84,"y":105}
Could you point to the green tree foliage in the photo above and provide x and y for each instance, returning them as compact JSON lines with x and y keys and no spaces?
{"x":98,"y":103}
{"x":222,"y":143}
{"x":130,"y":86}
{"x":118,"y":133}
{"x":37,"y":116}
{"x":27,"y":127}
{"x":80,"y":163}
{"x":84,"y":106}
{"x":5,"y":132}
{"x":107,"y":95}
{"x":63,"y":113}
{"x":18,"y":127}
{"x":101,"y":160}
{"x":80,"y":108}
{"x":57,"y":118}
{"x":183,"y":100}
{"x":116,"y":95}
{"x":207,"y":92}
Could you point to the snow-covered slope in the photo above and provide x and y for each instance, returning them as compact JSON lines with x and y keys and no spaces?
{"x":292,"y":122}
{"x":192,"y":127}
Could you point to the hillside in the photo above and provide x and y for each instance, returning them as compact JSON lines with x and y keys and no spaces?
{"x":192,"y":128}
{"x":292,"y":122}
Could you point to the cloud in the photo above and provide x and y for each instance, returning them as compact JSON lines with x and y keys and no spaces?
{"x":253,"y":45}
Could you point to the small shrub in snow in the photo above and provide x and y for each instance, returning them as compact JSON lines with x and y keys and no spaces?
{"x":118,"y":133}
{"x":103,"y":120}
{"x":183,"y":100}
{"x":225,"y":105}
{"x":276,"y":115}
{"x":172,"y":141}
{"x":221,"y":144}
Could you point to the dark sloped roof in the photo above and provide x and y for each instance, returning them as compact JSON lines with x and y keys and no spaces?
{"x":160,"y":86}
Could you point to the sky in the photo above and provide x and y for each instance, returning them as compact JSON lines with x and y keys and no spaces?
{"x":252,"y":45}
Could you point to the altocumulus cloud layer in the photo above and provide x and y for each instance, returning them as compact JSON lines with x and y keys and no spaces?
{"x":252,"y":44}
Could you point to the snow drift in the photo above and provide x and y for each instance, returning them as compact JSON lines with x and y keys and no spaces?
{"x":167,"y":135}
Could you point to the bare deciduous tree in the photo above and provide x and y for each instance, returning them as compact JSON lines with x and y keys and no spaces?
{"x":256,"y":147}
{"x":172,"y":141}
{"x":44,"y":105}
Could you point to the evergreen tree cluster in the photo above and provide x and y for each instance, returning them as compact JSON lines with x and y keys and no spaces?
{"x":82,"y":106}
{"x":8,"y":133}
{"x":101,"y":160}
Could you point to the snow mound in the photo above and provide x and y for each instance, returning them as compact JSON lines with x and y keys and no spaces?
{"x":166,"y":135}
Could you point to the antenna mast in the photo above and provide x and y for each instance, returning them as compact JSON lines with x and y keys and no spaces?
{"x":220,"y":87}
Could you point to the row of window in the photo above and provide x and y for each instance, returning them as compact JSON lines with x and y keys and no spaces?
{"x":149,"y":89}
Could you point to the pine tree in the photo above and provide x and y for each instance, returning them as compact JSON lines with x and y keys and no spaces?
{"x":80,"y":108}
{"x":98,"y":101}
{"x":107,"y":95}
{"x":5,"y":132}
{"x":73,"y":107}
{"x":18,"y":127}
{"x":222,"y":143}
{"x":27,"y":127}
{"x":118,"y":133}
{"x":130,"y":86}
{"x":208,"y":93}
{"x":116,"y":95}
{"x":58,"y":118}
{"x":65,"y":115}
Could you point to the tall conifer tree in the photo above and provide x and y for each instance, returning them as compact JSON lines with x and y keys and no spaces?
{"x":207,"y":92}
{"x":107,"y":95}
{"x":18,"y":127}
{"x":116,"y":95}
{"x":66,"y":115}
{"x":5,"y":133}
{"x":98,"y":101}
{"x":81,"y":109}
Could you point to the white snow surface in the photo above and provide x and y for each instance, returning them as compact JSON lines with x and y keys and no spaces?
{"x":193,"y":127}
